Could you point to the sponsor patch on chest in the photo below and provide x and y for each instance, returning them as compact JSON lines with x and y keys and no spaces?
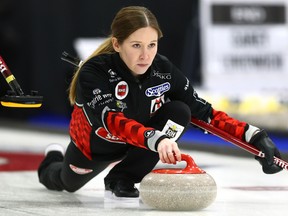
{"x":157,"y":91}
{"x":121,"y":90}
{"x":156,"y":104}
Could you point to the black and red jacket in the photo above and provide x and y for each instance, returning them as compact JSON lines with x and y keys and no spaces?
{"x":115,"y":105}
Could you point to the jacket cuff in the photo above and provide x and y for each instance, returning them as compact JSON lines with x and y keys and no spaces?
{"x":252,"y":130}
{"x":154,"y":139}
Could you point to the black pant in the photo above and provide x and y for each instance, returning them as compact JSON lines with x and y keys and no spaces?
{"x":134,"y":163}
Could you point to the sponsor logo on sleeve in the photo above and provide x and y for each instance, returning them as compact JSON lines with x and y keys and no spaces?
{"x":105,"y":135}
{"x":149,"y":133}
{"x":195,"y":95}
{"x":173,"y":130}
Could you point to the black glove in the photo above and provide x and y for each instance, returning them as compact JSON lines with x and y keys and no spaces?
{"x":263,"y":143}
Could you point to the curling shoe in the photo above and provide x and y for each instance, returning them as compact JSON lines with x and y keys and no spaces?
{"x":53,"y":148}
{"x":53,"y":153}
{"x":122,"y":189}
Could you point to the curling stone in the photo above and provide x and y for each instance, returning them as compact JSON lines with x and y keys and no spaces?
{"x":187,"y":189}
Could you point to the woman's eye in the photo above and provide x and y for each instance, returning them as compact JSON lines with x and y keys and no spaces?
{"x":152,"y":45}
{"x":136,"y":45}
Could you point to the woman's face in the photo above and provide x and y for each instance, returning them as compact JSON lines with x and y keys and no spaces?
{"x":138,"y":50}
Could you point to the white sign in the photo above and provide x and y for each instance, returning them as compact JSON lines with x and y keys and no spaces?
{"x":244,"y":45}
{"x":86,"y":46}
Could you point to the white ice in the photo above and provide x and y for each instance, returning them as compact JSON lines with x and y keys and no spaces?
{"x":242,"y":187}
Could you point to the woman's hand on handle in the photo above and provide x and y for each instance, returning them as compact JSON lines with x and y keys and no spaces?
{"x":168,"y":151}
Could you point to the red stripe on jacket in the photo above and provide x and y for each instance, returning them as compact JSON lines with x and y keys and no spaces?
{"x":128,"y":130}
{"x":80,"y":131}
{"x":232,"y":126}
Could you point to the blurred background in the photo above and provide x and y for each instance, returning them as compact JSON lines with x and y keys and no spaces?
{"x":233,"y":52}
{"x":34,"y":33}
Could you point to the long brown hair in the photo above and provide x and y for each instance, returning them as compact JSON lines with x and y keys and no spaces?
{"x":126,"y":21}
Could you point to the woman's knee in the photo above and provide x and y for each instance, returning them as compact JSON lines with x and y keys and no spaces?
{"x":177,"y":111}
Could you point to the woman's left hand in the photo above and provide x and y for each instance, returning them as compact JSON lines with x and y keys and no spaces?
{"x":263,"y":143}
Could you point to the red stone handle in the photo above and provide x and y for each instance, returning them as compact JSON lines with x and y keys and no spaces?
{"x":191,"y":167}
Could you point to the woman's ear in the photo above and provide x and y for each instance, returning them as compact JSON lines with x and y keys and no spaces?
{"x":115,"y":44}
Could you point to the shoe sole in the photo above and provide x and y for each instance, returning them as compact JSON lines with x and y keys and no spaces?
{"x":110,"y":195}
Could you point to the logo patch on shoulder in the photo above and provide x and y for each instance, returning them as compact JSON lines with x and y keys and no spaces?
{"x":80,"y":171}
{"x":121,"y":90}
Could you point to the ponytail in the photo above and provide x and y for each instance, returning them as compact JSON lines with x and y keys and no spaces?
{"x":105,"y":48}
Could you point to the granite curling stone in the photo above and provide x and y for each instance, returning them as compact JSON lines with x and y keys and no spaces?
{"x":187,"y":189}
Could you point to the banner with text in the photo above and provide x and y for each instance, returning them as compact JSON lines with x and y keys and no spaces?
{"x":244,"y":46}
